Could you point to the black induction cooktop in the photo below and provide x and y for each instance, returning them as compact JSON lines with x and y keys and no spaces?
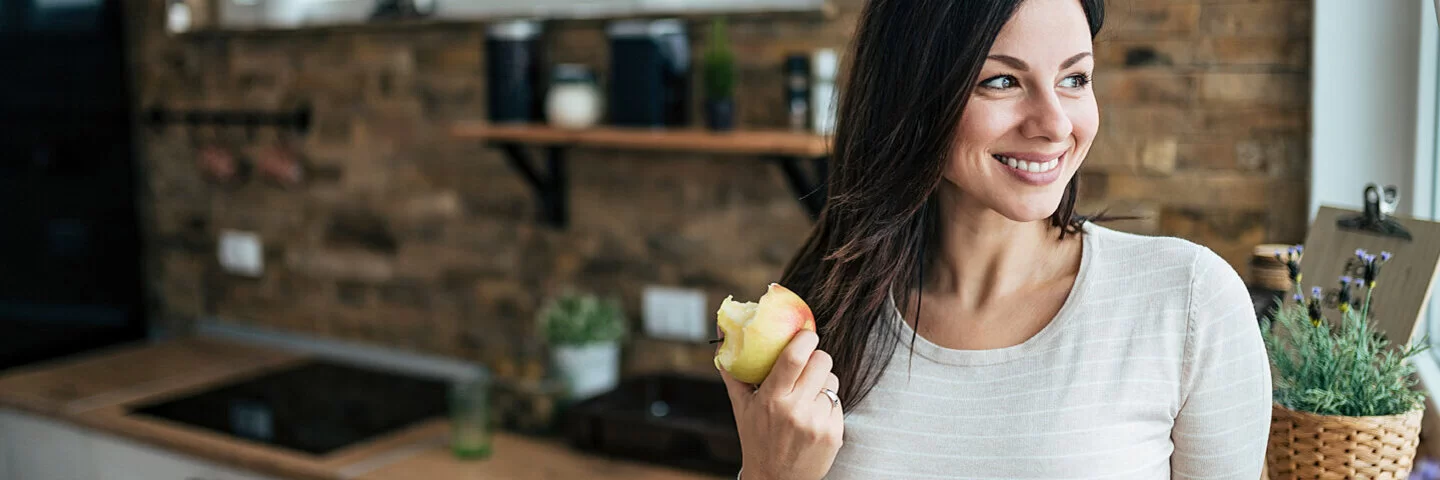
{"x":316,"y":407}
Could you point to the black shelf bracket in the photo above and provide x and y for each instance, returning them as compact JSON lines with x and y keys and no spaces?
{"x":808,"y":187}
{"x":551,"y":187}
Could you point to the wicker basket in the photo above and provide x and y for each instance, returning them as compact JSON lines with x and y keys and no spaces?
{"x":1268,"y":273}
{"x":1309,"y":446}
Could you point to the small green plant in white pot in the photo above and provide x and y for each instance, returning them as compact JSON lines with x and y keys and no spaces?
{"x":584,"y":333}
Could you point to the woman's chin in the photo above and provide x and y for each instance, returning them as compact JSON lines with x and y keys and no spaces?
{"x":1030,"y":211}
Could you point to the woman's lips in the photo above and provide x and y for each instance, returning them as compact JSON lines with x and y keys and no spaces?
{"x":1033,"y":169}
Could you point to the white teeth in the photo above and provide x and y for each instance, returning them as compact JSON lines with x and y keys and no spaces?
{"x":1032,"y":167}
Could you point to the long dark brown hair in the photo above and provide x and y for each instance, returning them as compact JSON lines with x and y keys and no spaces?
{"x":912,"y":66}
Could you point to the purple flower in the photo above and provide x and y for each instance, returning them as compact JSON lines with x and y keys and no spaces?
{"x":1315,"y":291}
{"x":1372,"y":266}
{"x":1345,"y":280}
{"x":1299,"y":297}
{"x":1360,"y":252}
{"x":1291,"y":260}
{"x":1299,"y":249}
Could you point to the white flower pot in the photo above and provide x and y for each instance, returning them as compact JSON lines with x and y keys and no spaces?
{"x":590,"y":370}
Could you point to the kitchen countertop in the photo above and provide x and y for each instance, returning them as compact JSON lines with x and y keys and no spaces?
{"x":94,"y":391}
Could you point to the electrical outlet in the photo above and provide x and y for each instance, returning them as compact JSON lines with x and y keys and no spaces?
{"x":241,"y":253}
{"x":675,"y":314}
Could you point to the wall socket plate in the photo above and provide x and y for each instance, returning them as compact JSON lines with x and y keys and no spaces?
{"x":241,"y":253}
{"x":673,"y":313}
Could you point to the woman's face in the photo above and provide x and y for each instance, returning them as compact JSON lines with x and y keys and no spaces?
{"x":1032,"y":116}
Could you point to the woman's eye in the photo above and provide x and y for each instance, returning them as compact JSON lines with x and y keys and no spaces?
{"x":1000,"y":83}
{"x":1078,"y":80}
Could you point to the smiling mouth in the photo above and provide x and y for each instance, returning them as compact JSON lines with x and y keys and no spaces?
{"x":1028,"y":166}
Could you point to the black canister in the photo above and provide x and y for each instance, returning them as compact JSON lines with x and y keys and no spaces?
{"x":513,"y":53}
{"x":797,"y":91}
{"x":649,"y":73}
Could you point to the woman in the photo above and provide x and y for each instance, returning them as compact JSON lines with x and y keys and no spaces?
{"x":971,"y":325}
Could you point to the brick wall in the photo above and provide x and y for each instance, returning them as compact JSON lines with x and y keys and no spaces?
{"x":407,"y":238}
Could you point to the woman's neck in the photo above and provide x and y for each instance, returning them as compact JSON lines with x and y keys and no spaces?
{"x":984,"y":256}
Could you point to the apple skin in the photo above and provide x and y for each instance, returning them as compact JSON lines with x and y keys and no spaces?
{"x":749,"y":350}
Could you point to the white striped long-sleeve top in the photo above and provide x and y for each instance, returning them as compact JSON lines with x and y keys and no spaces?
{"x":1152,"y":369}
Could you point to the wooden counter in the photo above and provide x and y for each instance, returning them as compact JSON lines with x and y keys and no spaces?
{"x":541,"y":460}
{"x":95,"y":390}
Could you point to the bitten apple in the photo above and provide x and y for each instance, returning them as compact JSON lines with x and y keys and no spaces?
{"x":756,"y":333}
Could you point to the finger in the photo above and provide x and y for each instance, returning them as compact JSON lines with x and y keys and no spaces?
{"x":739,"y":391}
{"x":833,"y":382}
{"x":836,"y":424}
{"x":834,"y":415}
{"x":817,"y":370}
{"x":830,"y":415}
{"x":788,"y":366}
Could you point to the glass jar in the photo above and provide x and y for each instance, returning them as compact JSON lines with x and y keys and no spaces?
{"x":471,"y":427}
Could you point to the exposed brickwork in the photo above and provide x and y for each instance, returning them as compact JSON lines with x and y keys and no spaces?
{"x":407,"y":238}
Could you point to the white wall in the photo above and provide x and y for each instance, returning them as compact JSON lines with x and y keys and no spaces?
{"x":1427,"y":100}
{"x":1364,"y":96}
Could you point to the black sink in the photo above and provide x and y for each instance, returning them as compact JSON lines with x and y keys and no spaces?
{"x":316,"y":407}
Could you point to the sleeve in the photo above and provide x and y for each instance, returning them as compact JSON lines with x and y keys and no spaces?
{"x":1223,"y":424}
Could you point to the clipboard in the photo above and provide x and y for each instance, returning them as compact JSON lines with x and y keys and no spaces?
{"x":1404,"y":284}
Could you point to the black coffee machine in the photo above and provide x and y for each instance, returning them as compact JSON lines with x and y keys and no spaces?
{"x":649,"y":73}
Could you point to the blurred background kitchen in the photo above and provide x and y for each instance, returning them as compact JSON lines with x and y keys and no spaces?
{"x":326,"y":239}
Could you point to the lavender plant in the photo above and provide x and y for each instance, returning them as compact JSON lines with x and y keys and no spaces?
{"x":1347,"y":369}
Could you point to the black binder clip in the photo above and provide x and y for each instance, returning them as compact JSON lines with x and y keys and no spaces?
{"x":1376,"y":218}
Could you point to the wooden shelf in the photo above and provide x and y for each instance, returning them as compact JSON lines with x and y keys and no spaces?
{"x":787,"y":149}
{"x":819,"y":11}
{"x":739,"y":142}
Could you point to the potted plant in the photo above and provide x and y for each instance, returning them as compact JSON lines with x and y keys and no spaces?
{"x":584,"y":333}
{"x":719,"y":79}
{"x":1345,"y":405}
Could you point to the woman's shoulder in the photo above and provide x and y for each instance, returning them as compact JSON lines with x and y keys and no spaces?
{"x":1129,"y":247}
{"x":1166,"y":259}
{"x":1200,"y":289}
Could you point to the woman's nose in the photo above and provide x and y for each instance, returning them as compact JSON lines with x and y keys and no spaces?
{"x":1046,"y":119}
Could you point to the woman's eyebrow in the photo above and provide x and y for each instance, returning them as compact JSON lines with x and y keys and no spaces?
{"x":1072,"y":60}
{"x":1019,"y":64}
{"x":1013,"y":62}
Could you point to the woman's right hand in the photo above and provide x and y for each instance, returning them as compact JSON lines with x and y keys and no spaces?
{"x":788,"y":428}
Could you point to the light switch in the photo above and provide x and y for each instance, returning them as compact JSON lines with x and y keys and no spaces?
{"x":241,"y":253}
{"x":675,"y":314}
